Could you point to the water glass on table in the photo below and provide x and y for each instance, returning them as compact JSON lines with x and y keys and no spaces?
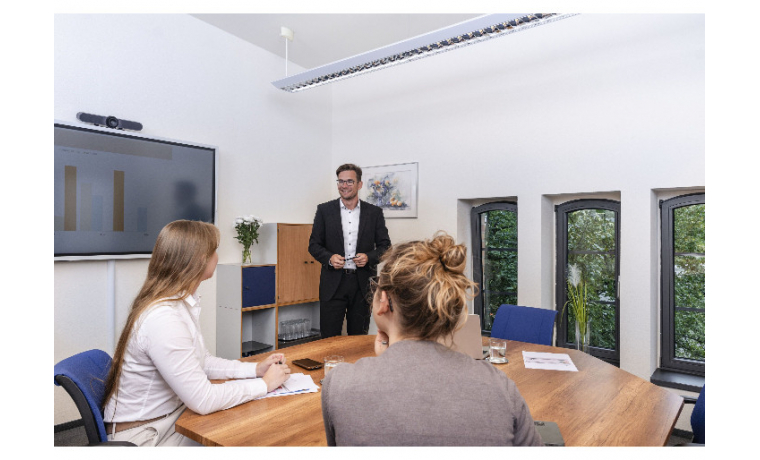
{"x":497,"y":350}
{"x":331,"y":362}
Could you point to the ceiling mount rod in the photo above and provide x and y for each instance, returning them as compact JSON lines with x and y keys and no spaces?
{"x":288,"y":35}
{"x":448,"y":38}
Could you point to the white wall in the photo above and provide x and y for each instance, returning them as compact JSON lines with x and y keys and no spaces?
{"x":186,"y":80}
{"x":594,"y":105}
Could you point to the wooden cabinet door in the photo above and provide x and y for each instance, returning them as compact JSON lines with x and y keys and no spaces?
{"x":297,"y":272}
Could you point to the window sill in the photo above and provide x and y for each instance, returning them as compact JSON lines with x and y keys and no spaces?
{"x":677,"y":380}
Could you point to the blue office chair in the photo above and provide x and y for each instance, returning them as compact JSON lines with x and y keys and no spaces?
{"x":524,"y":324}
{"x":698,"y":417}
{"x":83,"y":377}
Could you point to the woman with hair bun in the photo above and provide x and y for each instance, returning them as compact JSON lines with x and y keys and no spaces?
{"x":416,"y":391}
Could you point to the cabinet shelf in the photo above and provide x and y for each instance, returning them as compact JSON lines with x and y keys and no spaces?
{"x":250,"y":295}
{"x":253,"y":348}
{"x":261,"y":307}
{"x":315,"y":335}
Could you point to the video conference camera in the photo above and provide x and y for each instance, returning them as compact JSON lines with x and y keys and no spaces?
{"x":109,"y":121}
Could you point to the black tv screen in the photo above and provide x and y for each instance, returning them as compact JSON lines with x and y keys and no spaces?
{"x":114,"y":191}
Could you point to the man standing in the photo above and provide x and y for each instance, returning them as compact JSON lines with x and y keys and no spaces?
{"x":348,"y":238}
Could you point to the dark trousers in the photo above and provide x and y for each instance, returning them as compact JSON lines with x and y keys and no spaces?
{"x":347,"y":302}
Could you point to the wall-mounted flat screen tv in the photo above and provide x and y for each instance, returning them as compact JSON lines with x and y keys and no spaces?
{"x":115,"y":191}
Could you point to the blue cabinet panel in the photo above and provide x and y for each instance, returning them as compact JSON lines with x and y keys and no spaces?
{"x":258,"y":286}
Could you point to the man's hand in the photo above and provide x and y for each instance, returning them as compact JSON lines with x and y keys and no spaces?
{"x":337,"y":261}
{"x":361,"y":259}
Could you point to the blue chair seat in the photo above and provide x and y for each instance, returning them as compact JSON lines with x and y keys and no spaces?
{"x":83,"y":376}
{"x":524,"y":324}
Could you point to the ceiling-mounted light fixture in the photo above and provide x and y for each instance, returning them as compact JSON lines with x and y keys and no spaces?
{"x":446,"y":39}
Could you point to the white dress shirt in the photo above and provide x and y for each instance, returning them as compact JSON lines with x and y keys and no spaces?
{"x":349,"y":219}
{"x":166,"y":364}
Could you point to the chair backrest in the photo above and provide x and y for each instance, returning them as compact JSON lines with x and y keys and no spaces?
{"x":698,"y":418}
{"x":83,"y":377}
{"x":525,"y":324}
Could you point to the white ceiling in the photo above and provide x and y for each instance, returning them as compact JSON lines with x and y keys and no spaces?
{"x":324,"y":38}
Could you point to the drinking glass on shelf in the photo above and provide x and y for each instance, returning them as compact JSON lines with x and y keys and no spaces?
{"x":289,"y":328}
{"x":299,"y":328}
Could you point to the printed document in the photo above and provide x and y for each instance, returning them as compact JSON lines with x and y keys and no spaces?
{"x":296,"y":384}
{"x":548,"y":361}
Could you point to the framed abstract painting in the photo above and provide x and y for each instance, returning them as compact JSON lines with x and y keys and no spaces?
{"x":391,"y":187}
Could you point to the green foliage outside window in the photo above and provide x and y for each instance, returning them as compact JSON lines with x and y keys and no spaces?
{"x":689,"y":281}
{"x":499,"y":255}
{"x":591,"y":246}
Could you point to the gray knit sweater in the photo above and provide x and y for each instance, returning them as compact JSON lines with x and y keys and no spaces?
{"x":420,"y":393}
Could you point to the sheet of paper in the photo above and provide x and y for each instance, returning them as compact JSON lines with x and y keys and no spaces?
{"x":548,"y":361}
{"x":295,"y":384}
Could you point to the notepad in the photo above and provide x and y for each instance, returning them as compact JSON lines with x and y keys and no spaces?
{"x":548,"y":361}
{"x":296,"y":384}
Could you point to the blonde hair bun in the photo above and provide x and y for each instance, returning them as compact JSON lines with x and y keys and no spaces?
{"x":426,"y":281}
{"x":453,"y":257}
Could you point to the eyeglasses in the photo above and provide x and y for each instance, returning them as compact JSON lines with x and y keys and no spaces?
{"x":345,"y":182}
{"x":373,"y":287}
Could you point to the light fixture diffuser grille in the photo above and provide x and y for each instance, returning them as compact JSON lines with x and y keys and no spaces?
{"x":446,"y":39}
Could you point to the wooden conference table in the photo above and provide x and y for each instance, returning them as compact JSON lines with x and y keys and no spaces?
{"x":600,"y":405}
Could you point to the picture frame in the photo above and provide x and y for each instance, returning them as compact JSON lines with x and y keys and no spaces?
{"x":393,"y":188}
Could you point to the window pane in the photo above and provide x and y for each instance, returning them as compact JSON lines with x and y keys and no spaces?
{"x":591,"y":230}
{"x":689,"y":281}
{"x":498,"y":241}
{"x":591,"y":245}
{"x":689,"y":229}
{"x":683,"y":283}
{"x":690,"y":335}
{"x":500,"y":229}
{"x":500,"y":270}
{"x":598,"y":272}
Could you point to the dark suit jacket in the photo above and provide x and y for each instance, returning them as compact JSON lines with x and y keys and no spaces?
{"x":327,"y":239}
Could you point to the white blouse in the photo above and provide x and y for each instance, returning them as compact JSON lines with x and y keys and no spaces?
{"x":166,"y":364}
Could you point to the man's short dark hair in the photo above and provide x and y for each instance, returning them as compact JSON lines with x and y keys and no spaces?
{"x":350,"y":167}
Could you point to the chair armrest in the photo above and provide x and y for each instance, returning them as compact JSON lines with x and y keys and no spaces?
{"x":112,"y":444}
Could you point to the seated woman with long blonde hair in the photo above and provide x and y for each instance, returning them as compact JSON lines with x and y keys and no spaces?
{"x":417,"y":391}
{"x":161,"y":364}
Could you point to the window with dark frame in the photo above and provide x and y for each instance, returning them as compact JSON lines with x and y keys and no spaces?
{"x":588,"y":236}
{"x":683,"y":284}
{"x":494,"y":256}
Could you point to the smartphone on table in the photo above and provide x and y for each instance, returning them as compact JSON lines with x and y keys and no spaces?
{"x":308,"y":364}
